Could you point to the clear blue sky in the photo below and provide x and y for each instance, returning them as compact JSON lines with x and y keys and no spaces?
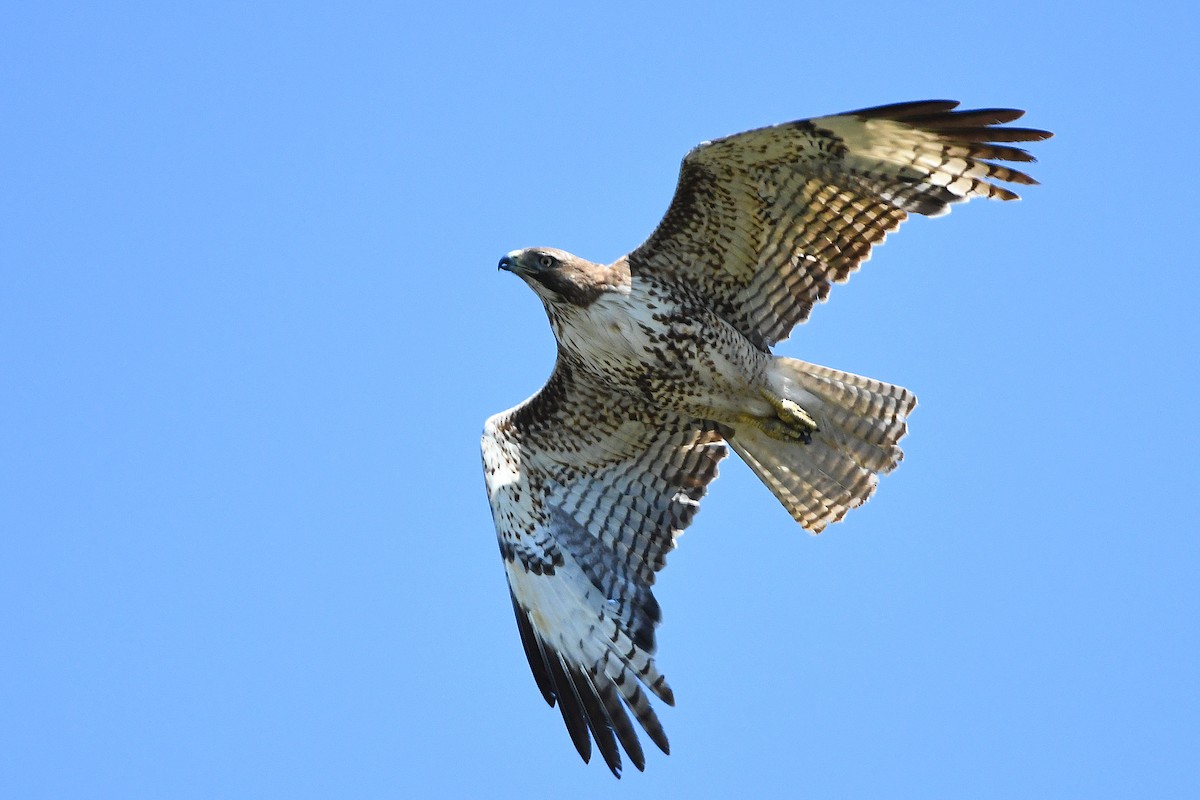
{"x":251,"y":325}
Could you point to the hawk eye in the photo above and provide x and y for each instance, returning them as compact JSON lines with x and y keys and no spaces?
{"x":545,"y":261}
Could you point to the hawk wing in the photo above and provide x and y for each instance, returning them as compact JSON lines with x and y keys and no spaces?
{"x":588,"y":491}
{"x":764,"y":222}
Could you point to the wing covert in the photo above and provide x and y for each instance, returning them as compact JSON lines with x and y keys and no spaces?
{"x":764,"y":222}
{"x":588,"y":492}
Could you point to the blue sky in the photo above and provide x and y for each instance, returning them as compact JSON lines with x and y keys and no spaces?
{"x":251,"y":325}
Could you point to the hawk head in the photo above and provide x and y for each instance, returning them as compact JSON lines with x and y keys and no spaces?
{"x":557,"y":276}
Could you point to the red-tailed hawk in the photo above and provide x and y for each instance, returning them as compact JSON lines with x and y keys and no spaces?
{"x":664,"y":359}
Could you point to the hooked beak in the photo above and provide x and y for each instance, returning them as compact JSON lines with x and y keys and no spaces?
{"x":512,"y":262}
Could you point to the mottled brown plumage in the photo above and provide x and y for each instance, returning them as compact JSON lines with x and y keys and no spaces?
{"x":664,"y":358}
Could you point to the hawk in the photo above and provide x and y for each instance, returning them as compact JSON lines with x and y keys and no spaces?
{"x":664,"y":360}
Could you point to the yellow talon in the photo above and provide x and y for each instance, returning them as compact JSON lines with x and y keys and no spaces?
{"x":792,"y":422}
{"x":790,"y":411}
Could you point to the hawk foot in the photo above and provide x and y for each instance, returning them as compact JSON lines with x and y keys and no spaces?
{"x":791,"y":422}
{"x":778,"y":429}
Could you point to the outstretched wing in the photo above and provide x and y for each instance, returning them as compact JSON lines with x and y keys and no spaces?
{"x":588,"y":492}
{"x":764,"y":222}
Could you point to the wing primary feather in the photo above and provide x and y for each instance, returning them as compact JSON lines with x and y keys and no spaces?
{"x":998,"y":152}
{"x":905,"y":111}
{"x":620,"y":720}
{"x":635,"y":698}
{"x":597,"y":718}
{"x":570,"y":706}
{"x":969,"y":118}
{"x":987,"y":134}
{"x":539,"y":665}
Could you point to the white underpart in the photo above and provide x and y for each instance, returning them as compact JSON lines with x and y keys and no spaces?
{"x":608,"y":331}
{"x":611,"y":335}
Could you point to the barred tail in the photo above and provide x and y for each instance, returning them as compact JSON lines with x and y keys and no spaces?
{"x":859,"y":423}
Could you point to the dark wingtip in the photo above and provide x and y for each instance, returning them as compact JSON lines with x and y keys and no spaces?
{"x":663,"y":691}
{"x":534,"y":653}
{"x":904,"y":111}
{"x":972,"y":124}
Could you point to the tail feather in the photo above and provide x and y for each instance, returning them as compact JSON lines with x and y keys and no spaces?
{"x":859,"y":421}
